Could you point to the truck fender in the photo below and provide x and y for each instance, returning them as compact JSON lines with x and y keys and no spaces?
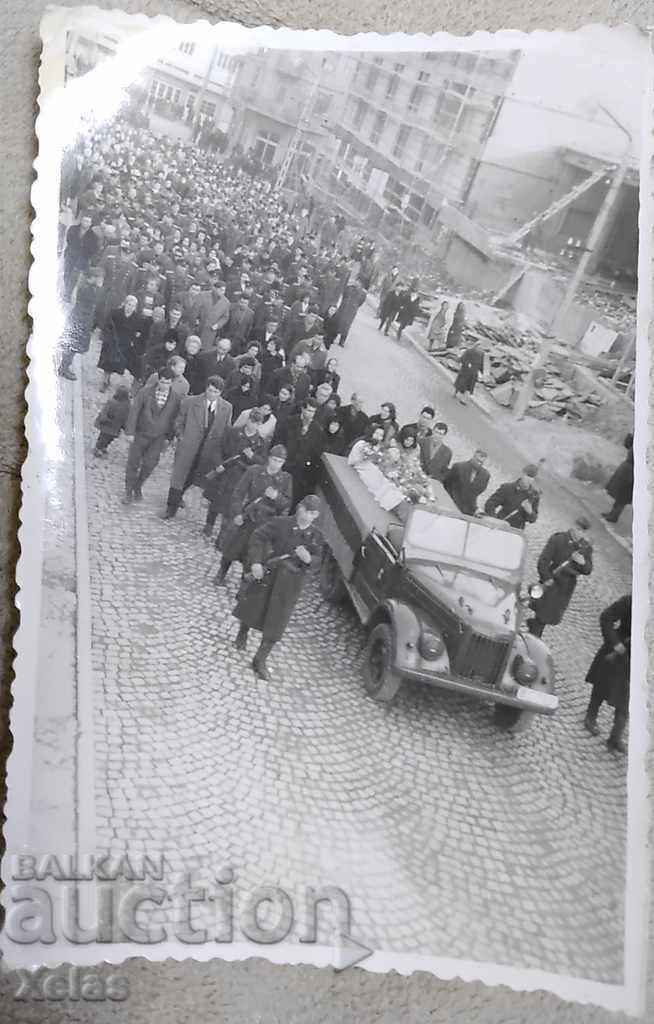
{"x":539,"y":653}
{"x":407,"y":628}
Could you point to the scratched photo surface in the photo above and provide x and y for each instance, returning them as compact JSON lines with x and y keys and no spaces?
{"x":329,"y":516}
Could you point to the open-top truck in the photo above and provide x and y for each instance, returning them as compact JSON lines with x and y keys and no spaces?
{"x":441,"y":597}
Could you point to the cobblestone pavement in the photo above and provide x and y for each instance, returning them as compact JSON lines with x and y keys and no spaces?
{"x":451,"y":838}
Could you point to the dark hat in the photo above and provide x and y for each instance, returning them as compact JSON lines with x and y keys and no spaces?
{"x":441,"y":428}
{"x":278,"y":451}
{"x":530,"y":470}
{"x":582,"y":523}
{"x":311,"y":503}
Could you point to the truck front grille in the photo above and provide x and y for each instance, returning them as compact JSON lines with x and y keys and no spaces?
{"x":481,"y":658}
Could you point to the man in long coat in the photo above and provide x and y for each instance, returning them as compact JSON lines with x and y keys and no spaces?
{"x":200,"y":425}
{"x":82,"y":246}
{"x":472,"y":364}
{"x":435,"y":455}
{"x":353,"y":298}
{"x":517,"y":501}
{"x":621,"y":485}
{"x":262,"y":493}
{"x":465,"y":481}
{"x":304,"y":441}
{"x":280,"y":553}
{"x":150,"y":426}
{"x":566,"y":556}
{"x":609,"y":671}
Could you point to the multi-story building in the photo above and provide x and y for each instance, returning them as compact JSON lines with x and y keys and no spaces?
{"x":284,"y":105}
{"x":411,"y":134}
{"x":194,"y":79}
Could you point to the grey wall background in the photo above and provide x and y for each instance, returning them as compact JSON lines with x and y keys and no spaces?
{"x":253,"y":992}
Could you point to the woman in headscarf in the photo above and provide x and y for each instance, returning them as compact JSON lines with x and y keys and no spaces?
{"x":455,"y":333}
{"x":437,"y":330}
{"x":334,"y":442}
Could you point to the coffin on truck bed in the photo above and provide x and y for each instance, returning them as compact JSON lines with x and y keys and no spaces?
{"x":351,"y":513}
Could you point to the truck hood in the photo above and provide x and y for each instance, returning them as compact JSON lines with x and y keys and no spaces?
{"x":476,"y":599}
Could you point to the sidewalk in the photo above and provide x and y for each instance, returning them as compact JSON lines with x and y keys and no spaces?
{"x":532,"y":448}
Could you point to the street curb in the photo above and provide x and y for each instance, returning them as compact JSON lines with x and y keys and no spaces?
{"x":84,"y":696}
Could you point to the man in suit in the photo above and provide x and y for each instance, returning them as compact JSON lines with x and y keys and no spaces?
{"x":149,"y":426}
{"x":435,"y":455}
{"x":201,"y":423}
{"x":219,"y":362}
{"x":304,"y":440}
{"x":82,"y":246}
{"x":517,"y":501}
{"x":465,"y":481}
{"x":353,"y":419}
{"x":240,"y":323}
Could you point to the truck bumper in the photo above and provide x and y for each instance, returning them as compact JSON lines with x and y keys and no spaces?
{"x":538,"y":701}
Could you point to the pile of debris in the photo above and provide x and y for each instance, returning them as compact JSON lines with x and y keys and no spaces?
{"x":511,"y":351}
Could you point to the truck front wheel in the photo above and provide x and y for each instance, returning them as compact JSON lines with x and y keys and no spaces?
{"x":332,"y":586}
{"x":381,"y":681}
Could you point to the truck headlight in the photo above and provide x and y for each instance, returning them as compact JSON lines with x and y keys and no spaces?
{"x":431,"y":646}
{"x":524,"y":670}
{"x":536,"y":591}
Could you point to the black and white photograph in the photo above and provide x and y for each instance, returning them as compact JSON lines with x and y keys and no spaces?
{"x":336,"y":504}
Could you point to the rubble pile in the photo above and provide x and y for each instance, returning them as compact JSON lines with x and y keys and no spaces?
{"x":512,"y":349}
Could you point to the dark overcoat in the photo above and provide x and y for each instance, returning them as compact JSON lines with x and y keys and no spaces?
{"x":123,"y":343}
{"x":464,"y":482}
{"x":435,"y":463}
{"x":83,"y":316}
{"x":267,"y":605}
{"x":609,"y":671}
{"x":621,"y":485}
{"x":218,"y":489}
{"x":506,"y":503}
{"x":472,"y":363}
{"x":409,"y":308}
{"x":196,"y":449}
{"x":551,"y":606}
{"x":250,"y":501}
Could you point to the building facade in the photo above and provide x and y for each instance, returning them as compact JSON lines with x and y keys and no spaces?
{"x":192,"y":82}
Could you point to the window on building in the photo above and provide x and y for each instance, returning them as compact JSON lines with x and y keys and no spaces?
{"x":394,"y":81}
{"x":416,"y":97}
{"x":401,"y":140}
{"x":322,"y":103}
{"x":206,"y":107}
{"x":360,"y":112}
{"x":342,"y":149}
{"x":188,"y":48}
{"x":265,"y":147}
{"x":421,"y":157}
{"x":460,"y":87}
{"x":378,"y":60}
{"x":474,"y":122}
{"x":423,"y":76}
{"x":448,"y":108}
{"x":378,"y":127}
{"x":371,"y":78}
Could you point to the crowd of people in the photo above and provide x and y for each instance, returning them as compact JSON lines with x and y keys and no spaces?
{"x":219,"y":310}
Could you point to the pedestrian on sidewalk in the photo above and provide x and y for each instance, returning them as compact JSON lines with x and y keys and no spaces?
{"x":621,"y":485}
{"x":280,"y":553}
{"x":81,"y":321}
{"x":388,"y":283}
{"x":609,"y":672}
{"x":517,"y":501}
{"x":123,"y":342}
{"x":566,"y":556}
{"x":353,"y":298}
{"x":199,"y":428}
{"x":465,"y":481}
{"x":409,"y":308}
{"x":437,"y":329}
{"x":389,"y":306}
{"x":150,"y":426}
{"x":472,"y":365}
{"x":111,"y":419}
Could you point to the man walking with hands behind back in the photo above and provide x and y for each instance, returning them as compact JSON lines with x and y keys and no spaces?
{"x":566,"y":556}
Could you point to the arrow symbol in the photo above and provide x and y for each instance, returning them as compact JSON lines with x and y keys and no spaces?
{"x":349,"y":952}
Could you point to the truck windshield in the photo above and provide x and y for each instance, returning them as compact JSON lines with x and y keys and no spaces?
{"x":460,"y":541}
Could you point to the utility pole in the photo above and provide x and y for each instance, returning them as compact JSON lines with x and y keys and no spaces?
{"x":203,"y":88}
{"x":297,"y":134}
{"x":597,"y":231}
{"x":604,"y":214}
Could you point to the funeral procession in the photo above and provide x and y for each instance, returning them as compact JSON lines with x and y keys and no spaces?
{"x":350,"y":391}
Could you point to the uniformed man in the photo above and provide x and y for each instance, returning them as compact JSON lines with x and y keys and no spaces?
{"x":262,"y":493}
{"x":566,"y":556}
{"x":280,"y":553}
{"x":609,"y":672}
{"x":516,"y":502}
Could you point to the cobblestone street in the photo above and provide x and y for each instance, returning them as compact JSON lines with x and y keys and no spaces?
{"x":450,"y":837}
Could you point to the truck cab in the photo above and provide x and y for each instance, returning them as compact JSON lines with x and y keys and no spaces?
{"x":440,"y":596}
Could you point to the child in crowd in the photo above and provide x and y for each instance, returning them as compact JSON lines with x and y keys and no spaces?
{"x":111,"y":419}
